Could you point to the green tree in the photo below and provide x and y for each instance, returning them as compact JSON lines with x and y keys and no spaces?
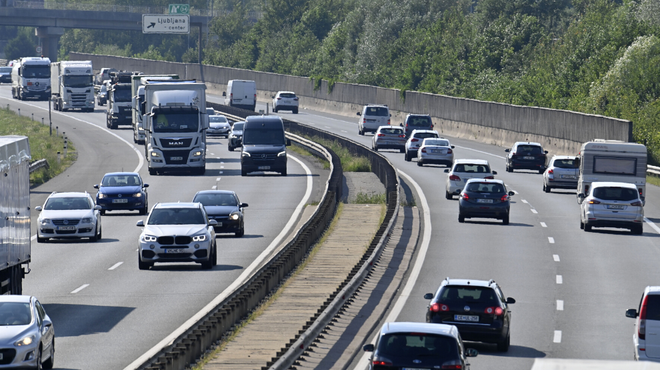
{"x":23,"y":45}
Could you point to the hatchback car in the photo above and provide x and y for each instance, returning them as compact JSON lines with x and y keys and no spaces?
{"x":478,"y":308}
{"x":646,"y":338}
{"x":418,"y":345}
{"x":225,"y":208}
{"x":612,"y":204}
{"x":218,"y":125}
{"x":236,"y":136}
{"x":27,"y":334}
{"x":372,"y":117}
{"x":389,"y":137}
{"x":435,"y":151}
{"x":526,"y":156}
{"x":5,"y":74}
{"x":561,"y":173}
{"x":70,"y":215}
{"x":177,"y":232}
{"x":462,"y":171}
{"x":417,"y":122}
{"x":484,"y":198}
{"x":285,"y":100}
{"x":122,"y":191}
{"x":415,"y":140}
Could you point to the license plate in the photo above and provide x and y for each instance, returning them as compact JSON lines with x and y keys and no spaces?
{"x":470,"y":318}
{"x":219,"y":224}
{"x":167,"y":251}
{"x":176,"y":158}
{"x":484,"y":201}
{"x":263,"y":167}
{"x":412,"y":368}
{"x":436,"y":151}
{"x":567,"y":176}
{"x":120,"y":201}
{"x":528,"y":157}
{"x":614,"y":206}
{"x":66,"y":228}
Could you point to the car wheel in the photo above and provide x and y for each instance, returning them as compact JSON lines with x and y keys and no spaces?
{"x":243,"y":172}
{"x":143,"y":265}
{"x":587,"y":227}
{"x":505,"y":220}
{"x":503,"y":346}
{"x":102,"y":212}
{"x":402,"y":150}
{"x":240,"y":232}
{"x":581,"y":225}
{"x":41,"y":240}
{"x":96,"y":235}
{"x":541,"y":170}
{"x":360,"y":131}
{"x":283,"y":173}
{"x":153,"y":172}
{"x":420,"y":163}
{"x":449,"y":195}
{"x":375,"y":148}
{"x":508,"y":169}
{"x":231,"y":148}
{"x":100,"y":236}
{"x":51,"y":359}
{"x":461,"y":218}
{"x":275,"y":109}
{"x":144,"y":210}
{"x":637,"y":230}
{"x":407,"y":157}
{"x":207,"y":265}
{"x":295,"y":111}
{"x":39,"y":357}
{"x":546,"y":188}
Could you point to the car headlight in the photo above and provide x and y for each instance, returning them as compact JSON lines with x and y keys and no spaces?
{"x":137,"y":195}
{"x":155,"y":154}
{"x":198,"y":153}
{"x":26,"y":341}
{"x":246,"y":154}
{"x":199,"y":238}
{"x":148,"y":238}
{"x":101,"y":195}
{"x":234,"y":216}
{"x":140,"y":129}
{"x":86,"y":220}
{"x":282,"y":153}
{"x":45,"y":221}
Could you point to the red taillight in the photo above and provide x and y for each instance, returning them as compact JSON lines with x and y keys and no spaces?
{"x":636,"y":204}
{"x":489,"y":177}
{"x":381,"y":135}
{"x":231,"y":96}
{"x":504,"y":198}
{"x":551,"y":171}
{"x":513,"y":154}
{"x":437,"y":307}
{"x":497,"y":311}
{"x":641,"y":327}
{"x":388,"y":121}
{"x":295,"y":99}
{"x":382,"y":363}
{"x":456,"y":365}
{"x":424,"y":150}
{"x":594,"y":201}
{"x":465,"y":196}
{"x":402,"y":135}
{"x":279,"y":98}
{"x":640,"y":192}
{"x":364,"y":120}
{"x":414,"y":140}
{"x":449,"y":151}
{"x":454,"y":178}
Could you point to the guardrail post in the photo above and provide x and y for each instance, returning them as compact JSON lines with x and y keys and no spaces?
{"x":19,"y":112}
{"x":58,"y":158}
{"x":32,"y":117}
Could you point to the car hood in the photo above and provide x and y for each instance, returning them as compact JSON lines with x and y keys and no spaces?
{"x":263,"y":149}
{"x":111,"y":190}
{"x":11,"y":333}
{"x":237,"y":132}
{"x":67,"y":213}
{"x":162,"y":230}
{"x":219,"y":125}
{"x":220,"y":210}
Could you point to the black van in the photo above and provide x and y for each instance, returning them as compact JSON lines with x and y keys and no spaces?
{"x":264,"y":145}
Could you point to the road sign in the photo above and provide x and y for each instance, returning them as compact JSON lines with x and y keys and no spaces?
{"x":163,"y":23}
{"x":179,"y":8}
{"x":38,"y":49}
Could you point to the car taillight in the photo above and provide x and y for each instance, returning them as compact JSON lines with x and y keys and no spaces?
{"x":551,"y":171}
{"x":594,"y":201}
{"x":497,"y":311}
{"x":364,"y":120}
{"x":449,"y":151}
{"x":388,"y":121}
{"x":381,"y":135}
{"x":437,"y":307}
{"x":402,"y":135}
{"x":454,"y":178}
{"x":640,"y":192}
{"x":465,"y":196}
{"x":452,"y":365}
{"x":414,"y":140}
{"x":279,"y":98}
{"x":504,"y":198}
{"x":295,"y":99}
{"x":636,"y":204}
{"x":641,"y":328}
{"x":513,"y":154}
{"x":424,"y":150}
{"x":489,"y":177}
{"x":382,"y":363}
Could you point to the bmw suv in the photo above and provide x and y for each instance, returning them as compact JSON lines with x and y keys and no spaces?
{"x":478,"y":308}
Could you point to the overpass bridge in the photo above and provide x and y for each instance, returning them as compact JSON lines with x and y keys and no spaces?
{"x":50,"y":20}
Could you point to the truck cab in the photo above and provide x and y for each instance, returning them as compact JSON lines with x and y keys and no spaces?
{"x":30,"y":78}
{"x":119,"y":100}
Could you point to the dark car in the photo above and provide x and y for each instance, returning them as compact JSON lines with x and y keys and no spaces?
{"x":478,"y":308}
{"x":418,"y":345}
{"x":122,"y":191}
{"x":5,"y":74}
{"x":264,"y":145}
{"x":526,"y":156}
{"x":417,"y":122}
{"x":484,"y":198}
{"x":224,"y":207}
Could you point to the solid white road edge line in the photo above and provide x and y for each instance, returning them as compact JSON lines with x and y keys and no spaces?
{"x":414,"y":272}
{"x":249,"y":271}
{"x":80,"y":288}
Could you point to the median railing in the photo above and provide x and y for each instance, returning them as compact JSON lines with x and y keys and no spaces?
{"x":652,"y":170}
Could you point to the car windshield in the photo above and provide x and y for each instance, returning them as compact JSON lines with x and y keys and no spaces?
{"x":218,"y":119}
{"x":62,"y":203}
{"x":77,"y":81}
{"x":391,"y":130}
{"x":176,"y":216}
{"x":418,"y":345}
{"x":468,"y":294}
{"x":428,"y":142}
{"x":377,"y":111}
{"x":15,"y":313}
{"x":121,"y":180}
{"x":176,"y":122}
{"x":5,"y":69}
{"x":263,"y":136}
{"x":471,"y":168}
{"x":419,"y":121}
{"x":238,"y":126}
{"x":36,"y":71}
{"x":528,"y":150}
{"x":485,"y":187}
{"x":122,"y":95}
{"x":615,"y":193}
{"x":216,"y":200}
{"x":565,"y":163}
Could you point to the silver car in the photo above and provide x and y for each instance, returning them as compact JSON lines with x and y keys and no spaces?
{"x":561,"y":173}
{"x":389,"y":137}
{"x":27,"y":335}
{"x":236,"y":136}
{"x":435,"y":151}
{"x":177,"y":232}
{"x":462,"y":171}
{"x":612,"y":204}
{"x":415,"y":140}
{"x":69,"y":215}
{"x":218,"y":125}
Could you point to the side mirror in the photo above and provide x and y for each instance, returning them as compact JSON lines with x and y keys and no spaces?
{"x":580,"y":198}
{"x":359,"y":114}
{"x":428,"y":296}
{"x":213,"y":222}
{"x":494,"y":172}
{"x":272,"y":96}
{"x":139,"y":223}
{"x":507,"y":150}
{"x":243,"y":204}
{"x":97,"y":208}
{"x":224,"y":93}
{"x":511,"y":193}
{"x":471,"y":352}
{"x":401,"y":124}
{"x":288,"y":142}
{"x":145,"y":185}
{"x":368,"y":347}
{"x":446,"y":170}
{"x":38,"y":208}
{"x":452,"y":147}
{"x":545,"y":151}
{"x":96,"y":186}
{"x":631,"y":313}
{"x":510,"y":300}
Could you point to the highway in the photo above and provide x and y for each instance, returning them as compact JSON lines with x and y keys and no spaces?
{"x":572,"y":287}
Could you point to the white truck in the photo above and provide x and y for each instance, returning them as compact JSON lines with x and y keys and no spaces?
{"x":612,"y":160}
{"x":119,"y":107}
{"x":30,"y":77}
{"x":241,"y":94}
{"x":72,"y":85}
{"x":15,"y":247}
{"x":138,"y":103}
{"x":175,"y":126}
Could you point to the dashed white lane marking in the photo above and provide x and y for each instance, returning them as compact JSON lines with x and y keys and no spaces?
{"x":557,"y":338}
{"x":344,"y":131}
{"x":214,"y":187}
{"x":79,"y":289}
{"x":551,"y":240}
{"x":222,"y":166}
{"x":555,"y":257}
{"x":115,"y":266}
{"x":534,"y":211}
{"x":543,"y":224}
{"x":560,"y":280}
{"x":524,"y":201}
{"x":217,"y":179}
{"x":560,"y":305}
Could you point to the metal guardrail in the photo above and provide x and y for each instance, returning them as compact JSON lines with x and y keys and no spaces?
{"x":652,"y":170}
{"x":42,"y":163}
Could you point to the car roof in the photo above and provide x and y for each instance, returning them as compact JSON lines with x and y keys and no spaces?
{"x":15,"y":298}
{"x":217,"y":115}
{"x":423,"y":131}
{"x":563,"y":157}
{"x":485,"y":180}
{"x":526,"y":143}
{"x":121,"y":173}
{"x":376,"y":105}
{"x":472,"y":282}
{"x":178,"y":205}
{"x":215,"y":192}
{"x":390,"y":126}
{"x":69,"y":194}
{"x":262,"y":118}
{"x":419,"y":327}
{"x":435,"y":138}
{"x":418,"y":115}
{"x":599,"y":184}
{"x":286,"y":92}
{"x":652,"y":290}
{"x":471,"y":161}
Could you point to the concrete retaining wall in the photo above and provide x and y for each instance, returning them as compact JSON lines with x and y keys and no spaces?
{"x":561,"y":132}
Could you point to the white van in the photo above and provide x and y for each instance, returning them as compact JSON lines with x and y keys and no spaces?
{"x":613,"y":161}
{"x":241,"y":94}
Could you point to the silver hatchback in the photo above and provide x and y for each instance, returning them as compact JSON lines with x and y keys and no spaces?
{"x":612,"y":204}
{"x":389,"y":137}
{"x":561,"y":173}
{"x":435,"y":151}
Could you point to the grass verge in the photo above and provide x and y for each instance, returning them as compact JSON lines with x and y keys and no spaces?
{"x":349,"y":162}
{"x":364,"y":198}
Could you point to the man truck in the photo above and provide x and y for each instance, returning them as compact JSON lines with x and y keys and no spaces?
{"x":175,"y":126}
{"x":118,"y":111}
{"x":15,"y":247}
{"x":30,"y":77}
{"x":72,"y":85}
{"x":137,"y":99}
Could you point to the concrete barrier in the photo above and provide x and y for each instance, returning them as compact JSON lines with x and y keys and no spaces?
{"x":559,"y":131}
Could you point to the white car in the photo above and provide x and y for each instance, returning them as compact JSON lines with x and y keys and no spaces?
{"x":218,"y":125}
{"x":415,"y":140}
{"x":435,"y":151}
{"x":612,"y":204}
{"x":372,"y":117}
{"x":285,"y":100}
{"x":646,"y":338}
{"x":462,"y":171}
{"x":70,"y":215}
{"x":177,"y":232}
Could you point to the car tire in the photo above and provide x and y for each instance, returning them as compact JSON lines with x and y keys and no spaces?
{"x":402,"y":150}
{"x":231,"y":148}
{"x":283,"y":173}
{"x":51,"y":359}
{"x":295,"y":111}
{"x":508,"y":169}
{"x":274,"y":109}
{"x":39,"y":357}
{"x":407,"y":157}
{"x":215,"y":255}
{"x":420,"y":163}
{"x":41,"y":240}
{"x":546,"y":188}
{"x":505,"y":219}
{"x":637,"y":230}
{"x":360,"y":132}
{"x":102,"y":212}
{"x":207,"y":265}
{"x":449,"y":195}
{"x":153,"y":172}
{"x":461,"y":218}
{"x":240,"y":232}
{"x":587,"y":227}
{"x":143,"y":265}
{"x":94,"y":238}
{"x":541,"y":170}
{"x":100,"y":236}
{"x":144,"y":210}
{"x":581,"y":225}
{"x":503,"y":346}
{"x":243,"y":172}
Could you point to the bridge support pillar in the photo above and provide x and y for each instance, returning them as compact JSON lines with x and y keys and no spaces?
{"x":50,"y":39}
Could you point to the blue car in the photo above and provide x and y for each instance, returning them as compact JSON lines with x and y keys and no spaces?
{"x":122,"y":191}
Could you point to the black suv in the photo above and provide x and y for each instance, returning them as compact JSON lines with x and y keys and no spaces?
{"x":417,"y":122}
{"x":478,"y":308}
{"x":526,"y":156}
